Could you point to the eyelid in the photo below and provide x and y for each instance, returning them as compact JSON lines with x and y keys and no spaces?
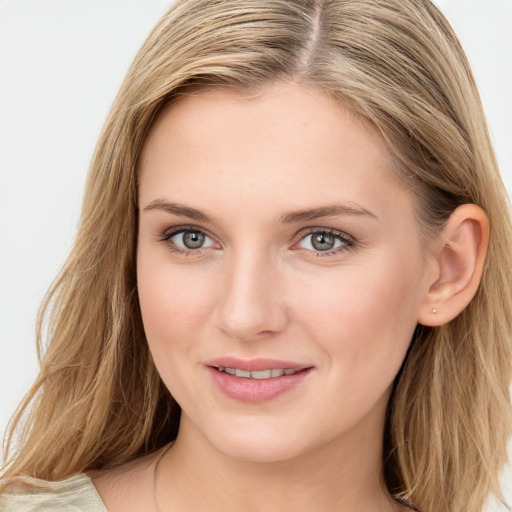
{"x":166,"y":235}
{"x":173,"y":230}
{"x":348,"y":240}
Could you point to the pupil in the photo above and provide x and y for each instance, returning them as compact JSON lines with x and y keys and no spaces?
{"x":322,"y":241}
{"x":193,"y":239}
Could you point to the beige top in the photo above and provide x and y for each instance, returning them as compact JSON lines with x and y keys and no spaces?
{"x":75,"y":494}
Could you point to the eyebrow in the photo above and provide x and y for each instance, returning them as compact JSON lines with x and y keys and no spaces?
{"x":177,"y":209}
{"x":325,"y":211}
{"x":287,"y":218}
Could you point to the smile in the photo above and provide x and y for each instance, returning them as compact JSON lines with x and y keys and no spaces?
{"x":257,"y":380}
{"x":260,"y":374}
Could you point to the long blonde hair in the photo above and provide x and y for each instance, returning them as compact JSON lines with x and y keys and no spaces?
{"x":98,"y":400}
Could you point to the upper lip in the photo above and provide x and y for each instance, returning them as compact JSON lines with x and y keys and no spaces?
{"x":257,"y":364}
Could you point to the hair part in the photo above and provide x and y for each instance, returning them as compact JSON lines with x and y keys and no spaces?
{"x":399,"y":67}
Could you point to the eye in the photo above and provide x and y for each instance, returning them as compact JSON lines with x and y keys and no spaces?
{"x":187,"y":240}
{"x":327,"y":241}
{"x":190,"y":239}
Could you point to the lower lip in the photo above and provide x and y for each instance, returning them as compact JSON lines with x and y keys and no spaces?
{"x":255,"y":390}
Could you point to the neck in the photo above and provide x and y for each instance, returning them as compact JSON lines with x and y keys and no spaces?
{"x":344,"y":475}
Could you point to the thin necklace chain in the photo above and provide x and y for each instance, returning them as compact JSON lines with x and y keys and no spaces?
{"x":155,"y":476}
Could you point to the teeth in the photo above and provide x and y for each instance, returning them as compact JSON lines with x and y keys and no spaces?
{"x":263,"y":374}
{"x":260,"y":374}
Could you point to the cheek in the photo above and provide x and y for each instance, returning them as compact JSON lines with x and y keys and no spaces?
{"x":174,"y":306}
{"x":363,"y":318}
{"x":174,"y":302}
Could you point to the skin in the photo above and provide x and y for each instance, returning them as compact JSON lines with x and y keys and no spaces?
{"x":258,"y":288}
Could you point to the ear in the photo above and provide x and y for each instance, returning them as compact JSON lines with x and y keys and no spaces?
{"x":457,"y":267}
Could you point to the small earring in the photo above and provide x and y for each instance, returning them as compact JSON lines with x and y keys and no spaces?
{"x":434,"y":310}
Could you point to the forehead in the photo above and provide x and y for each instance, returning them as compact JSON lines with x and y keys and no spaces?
{"x":283,"y":110}
{"x":284,"y":142}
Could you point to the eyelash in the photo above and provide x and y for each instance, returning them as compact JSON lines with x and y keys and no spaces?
{"x":166,"y":236}
{"x":348,"y":242}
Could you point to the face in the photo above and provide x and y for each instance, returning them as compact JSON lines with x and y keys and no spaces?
{"x":280,"y":270}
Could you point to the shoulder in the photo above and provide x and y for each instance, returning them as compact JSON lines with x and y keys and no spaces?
{"x":74,"y":494}
{"x":129,"y":487}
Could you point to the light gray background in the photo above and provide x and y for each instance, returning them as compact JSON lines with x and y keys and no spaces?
{"x":61,"y":63}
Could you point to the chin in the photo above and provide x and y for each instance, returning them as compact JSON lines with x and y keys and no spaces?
{"x":258,"y":451}
{"x":266,"y":443}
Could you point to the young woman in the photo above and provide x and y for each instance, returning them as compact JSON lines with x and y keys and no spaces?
{"x":291,"y":285}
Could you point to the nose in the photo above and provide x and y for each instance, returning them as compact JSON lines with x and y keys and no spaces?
{"x":252,"y":304}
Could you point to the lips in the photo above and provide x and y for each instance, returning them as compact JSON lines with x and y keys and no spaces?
{"x":256,"y":380}
{"x":258,"y":364}
{"x":258,"y":374}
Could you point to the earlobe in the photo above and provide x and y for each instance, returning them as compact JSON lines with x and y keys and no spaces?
{"x":459,"y":263}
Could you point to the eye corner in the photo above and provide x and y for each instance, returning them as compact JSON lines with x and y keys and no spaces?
{"x":198,"y":240}
{"x":334,"y":241}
